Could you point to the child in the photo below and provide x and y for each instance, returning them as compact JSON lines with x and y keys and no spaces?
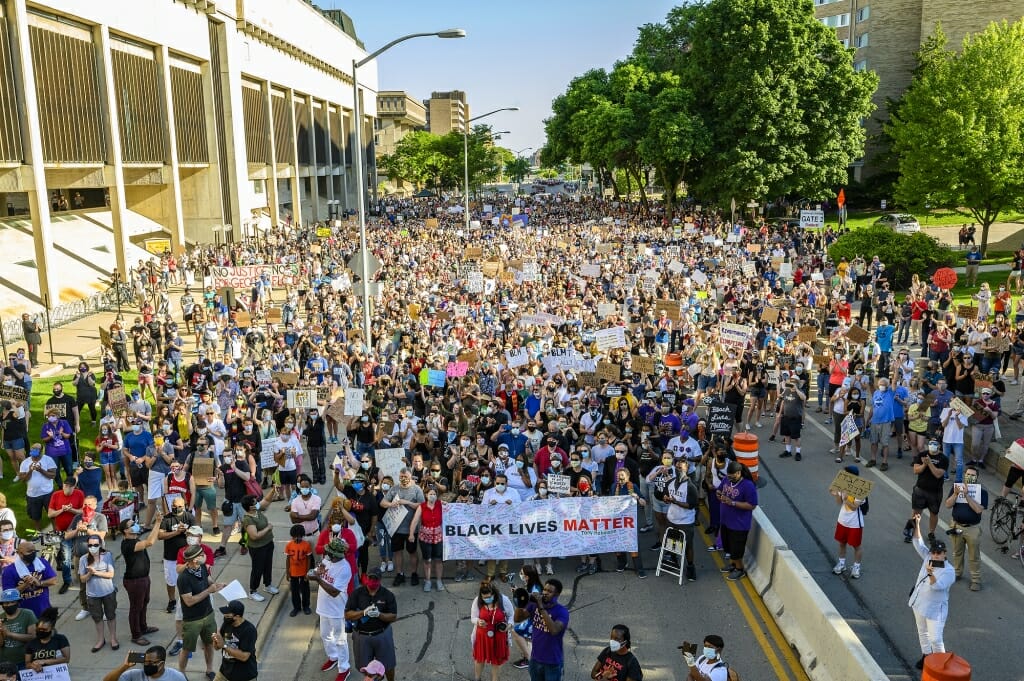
{"x":849,"y":527}
{"x":300,"y":562}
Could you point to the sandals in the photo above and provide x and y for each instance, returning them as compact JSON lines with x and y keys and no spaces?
{"x":141,"y":641}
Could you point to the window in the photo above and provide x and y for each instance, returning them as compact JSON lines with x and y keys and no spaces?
{"x":819,"y":3}
{"x":862,"y":40}
{"x":836,"y":20}
{"x":845,"y":42}
{"x":863,"y":13}
{"x":861,"y":65}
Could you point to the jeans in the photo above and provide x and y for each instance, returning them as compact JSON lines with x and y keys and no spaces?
{"x":138,"y":600}
{"x":66,"y":547}
{"x":903,"y":332}
{"x":540,"y":671}
{"x":951,"y":449}
{"x":645,"y":492}
{"x":822,"y":389}
{"x":929,"y":634}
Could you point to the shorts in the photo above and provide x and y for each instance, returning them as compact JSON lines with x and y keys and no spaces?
{"x":193,"y":630}
{"x":155,"y":486}
{"x":35,"y":506}
{"x":921,"y":499}
{"x":237,"y":513}
{"x":432,"y":551}
{"x":881,"y":433}
{"x":758,"y":393}
{"x":899,"y":426}
{"x":1013,"y":476}
{"x":138,"y":476}
{"x":170,"y":572}
{"x":706,"y":382}
{"x":206,"y":496}
{"x":1014,"y":274}
{"x":380,"y":647}
{"x":791,"y":426}
{"x":102,"y":606}
{"x":658,"y":505}
{"x":401,"y":540}
{"x":15,"y":445}
{"x":850,"y":536}
{"x":289,"y":477}
{"x":111,"y":458}
{"x":734,"y":542}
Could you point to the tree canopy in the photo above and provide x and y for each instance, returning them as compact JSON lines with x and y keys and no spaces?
{"x":959,"y":129}
{"x":438,"y":162}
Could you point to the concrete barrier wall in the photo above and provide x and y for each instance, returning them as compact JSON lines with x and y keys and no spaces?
{"x":827,"y":646}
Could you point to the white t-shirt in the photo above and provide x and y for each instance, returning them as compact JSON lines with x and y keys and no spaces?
{"x":38,"y":484}
{"x":848,"y":518}
{"x":677,"y":515}
{"x":953,"y":433}
{"x":716,"y":670}
{"x":286,"y":442}
{"x":338,"y":575}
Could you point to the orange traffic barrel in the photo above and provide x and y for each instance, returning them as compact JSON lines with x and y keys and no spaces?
{"x":945,"y":667}
{"x":673,"y":361}
{"x":744,"y":446}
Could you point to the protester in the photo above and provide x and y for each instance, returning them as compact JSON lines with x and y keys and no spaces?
{"x":849,"y":527}
{"x":426,"y":525}
{"x":259,"y":533}
{"x":136,"y":578}
{"x":300,"y":562}
{"x":966,"y":527}
{"x":154,"y":668}
{"x":18,"y":625}
{"x":333,"y":578}
{"x":39,"y":471}
{"x":616,"y":662}
{"x":549,"y":620}
{"x":236,"y":641}
{"x":199,"y":623}
{"x":738,"y":496}
{"x":708,"y":666}
{"x":929,"y":599}
{"x":48,"y":648}
{"x":32,"y":576}
{"x":490,"y":615}
{"x":372,"y":610}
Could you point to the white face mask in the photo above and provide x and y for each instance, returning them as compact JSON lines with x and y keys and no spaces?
{"x":336,"y":528}
{"x":500,"y":487}
{"x":94,"y":550}
{"x":7,"y":535}
{"x":614,"y":645}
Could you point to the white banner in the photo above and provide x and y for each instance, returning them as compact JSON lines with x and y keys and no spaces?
{"x":735,"y":335}
{"x":246,"y":275}
{"x":389,"y":461}
{"x":571,"y":526}
{"x":813,"y":219}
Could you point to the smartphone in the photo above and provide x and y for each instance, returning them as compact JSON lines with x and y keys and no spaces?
{"x":137,"y":657}
{"x":688,"y":647}
{"x":937,"y":563}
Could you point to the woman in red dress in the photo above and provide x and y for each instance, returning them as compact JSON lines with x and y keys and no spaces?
{"x":491,"y":615}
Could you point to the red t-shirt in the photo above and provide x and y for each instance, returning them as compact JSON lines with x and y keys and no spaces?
{"x":206,"y":550}
{"x":58,"y":500}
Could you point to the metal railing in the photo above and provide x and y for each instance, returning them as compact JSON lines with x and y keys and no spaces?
{"x":66,"y":313}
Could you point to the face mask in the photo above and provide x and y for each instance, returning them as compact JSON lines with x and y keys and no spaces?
{"x":883,"y":388}
{"x":357,"y":486}
{"x":474,"y":464}
{"x":151,"y":669}
{"x":135,"y":529}
{"x":515,"y":431}
{"x":854,"y":396}
{"x":667,"y":461}
{"x":247,"y":429}
{"x":620,"y":455}
{"x":485,"y":480}
{"x":542,"y":491}
{"x":305,"y":491}
{"x":385,"y":487}
{"x":43,"y":635}
{"x":556,"y":463}
{"x":136,"y":428}
{"x":336,"y":528}
{"x":192,"y":541}
{"x":933,"y":448}
{"x":464,"y":443}
{"x":29,"y":558}
{"x":94,"y":550}
{"x":256,"y":506}
{"x":500,"y":487}
{"x":431,"y":498}
{"x":710,"y":653}
{"x":52,"y":419}
{"x":614,"y":646}
{"x":408,"y":414}
{"x":10,"y":608}
{"x":7,"y":535}
{"x":520,"y":464}
{"x":365,"y":465}
{"x":576,"y":464}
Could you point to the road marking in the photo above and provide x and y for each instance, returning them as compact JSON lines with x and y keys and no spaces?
{"x":989,"y":563}
{"x":769,"y":622}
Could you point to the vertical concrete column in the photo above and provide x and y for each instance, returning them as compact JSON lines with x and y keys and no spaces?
{"x":330,"y":156}
{"x":314,"y":185}
{"x":343,"y":117}
{"x":296,"y":181}
{"x":273,"y":204}
{"x":172,"y":175}
{"x":38,"y":200}
{"x":234,"y":127}
{"x":112,"y":131}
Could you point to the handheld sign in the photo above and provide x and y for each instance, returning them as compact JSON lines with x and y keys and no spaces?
{"x":852,"y":485}
{"x":720,"y":418}
{"x":558,"y":484}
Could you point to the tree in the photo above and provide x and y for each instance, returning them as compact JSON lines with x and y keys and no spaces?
{"x":518,"y":168}
{"x":439,"y":162}
{"x":904,"y":255}
{"x":959,"y":130}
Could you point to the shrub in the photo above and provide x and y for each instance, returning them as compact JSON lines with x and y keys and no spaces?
{"x":903,"y":254}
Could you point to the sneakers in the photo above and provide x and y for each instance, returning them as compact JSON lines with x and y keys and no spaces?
{"x":870,"y":464}
{"x":328,"y":665}
{"x":82,"y":614}
{"x":908,"y":534}
{"x":798,"y":456}
{"x":171,"y":607}
{"x":736,"y":575}
{"x":713,"y":548}
{"x":415,"y":579}
{"x":342,"y":675}
{"x":592,"y":569}
{"x":439,"y":585}
{"x":840,"y":568}
{"x":521,"y":663}
{"x":641,"y":574}
{"x":220,"y":552}
{"x":175,"y":647}
{"x":426,"y":586}
{"x":839,"y":459}
{"x":884,"y":467}
{"x":647,"y":528}
{"x":549,"y":570}
{"x":257,"y":596}
{"x":391,"y":566}
{"x":656,"y":547}
{"x":399,"y":580}
{"x":726,"y":569}
{"x":215,"y":531}
{"x":64,"y":588}
{"x":771,"y":438}
{"x":582,"y":568}
{"x":691,"y":573}
{"x":855,"y":571}
{"x":272,"y":590}
{"x":975,"y":586}
{"x":785,"y":455}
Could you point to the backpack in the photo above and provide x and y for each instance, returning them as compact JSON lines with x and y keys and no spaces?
{"x":865,"y":507}
{"x":731,"y":674}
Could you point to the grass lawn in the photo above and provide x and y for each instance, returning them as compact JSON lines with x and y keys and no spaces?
{"x":962,"y":294}
{"x":42,"y":390}
{"x":936,"y":218}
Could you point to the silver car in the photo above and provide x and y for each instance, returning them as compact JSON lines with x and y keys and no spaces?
{"x":904,"y":223}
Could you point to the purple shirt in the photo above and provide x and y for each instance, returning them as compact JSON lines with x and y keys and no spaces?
{"x":732,"y":517}
{"x":58,"y":446}
{"x":36,"y":600}
{"x":547,"y":647}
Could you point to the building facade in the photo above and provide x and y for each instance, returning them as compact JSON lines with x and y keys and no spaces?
{"x":447,"y":111}
{"x":886,"y":35}
{"x":398,"y":114}
{"x":205,"y":116}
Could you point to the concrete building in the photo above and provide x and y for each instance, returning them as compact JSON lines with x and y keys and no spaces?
{"x":398,"y":114}
{"x":447,"y":111}
{"x":187,"y":114}
{"x":886,"y":34}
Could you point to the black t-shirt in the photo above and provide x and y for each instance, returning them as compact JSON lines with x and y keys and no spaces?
{"x":136,"y":563}
{"x":189,"y":583}
{"x":361,"y":600}
{"x":69,"y":403}
{"x":51,"y":650}
{"x":925,"y":480}
{"x":14,"y":427}
{"x":625,"y":666}
{"x":242,"y":637}
{"x":173,"y":544}
{"x":234,"y":486}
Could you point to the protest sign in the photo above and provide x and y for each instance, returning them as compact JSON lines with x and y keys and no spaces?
{"x":857,"y":335}
{"x":966,"y":312}
{"x":769,"y":314}
{"x":394,"y":517}
{"x":573,"y":526}
{"x":470,"y":357}
{"x":246,"y":275}
{"x":807,"y":334}
{"x":354,"y":401}
{"x":431,"y":223}
{"x":642,"y":365}
{"x":852,"y":485}
{"x":274,"y":315}
{"x":117,"y":400}
{"x":610,"y":339}
{"x":749,"y":269}
{"x":812,"y":219}
{"x":671,"y":307}
{"x":436,"y":378}
{"x":105,"y":339}
{"x":54,"y":672}
{"x":19,"y":394}
{"x":735,"y":335}
{"x":389,"y":461}
{"x":473,"y":253}
{"x":720,"y":418}
{"x":588,"y":379}
{"x":591,"y":270}
{"x":558,"y":484}
{"x":301,"y":399}
{"x":475,"y":282}
{"x":699,"y":278}
{"x":286,"y":378}
{"x":786,"y":270}
{"x":517,"y":357}
{"x":267,"y":451}
{"x":608,"y":371}
{"x":202,"y":469}
{"x":605,"y":310}
{"x":848,"y":430}
{"x":962,"y":407}
{"x":457,"y":369}
{"x":1015,"y":454}
{"x":263,"y":377}
{"x":676,"y":267}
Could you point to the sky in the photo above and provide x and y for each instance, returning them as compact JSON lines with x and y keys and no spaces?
{"x":514,"y":54}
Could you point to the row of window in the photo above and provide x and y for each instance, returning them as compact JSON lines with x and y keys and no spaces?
{"x":838,"y":20}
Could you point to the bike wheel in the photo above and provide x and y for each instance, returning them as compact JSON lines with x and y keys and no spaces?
{"x":1000,"y":522}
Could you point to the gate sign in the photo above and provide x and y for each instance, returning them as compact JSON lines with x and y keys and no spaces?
{"x":812,"y":219}
{"x":246,"y":275}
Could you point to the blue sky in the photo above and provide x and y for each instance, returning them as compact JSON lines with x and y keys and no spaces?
{"x":515,"y":54}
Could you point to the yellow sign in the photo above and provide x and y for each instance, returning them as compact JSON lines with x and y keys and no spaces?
{"x":158,"y":246}
{"x":323,"y":232}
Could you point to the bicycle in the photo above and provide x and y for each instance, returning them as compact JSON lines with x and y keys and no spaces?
{"x":1006,"y":523}
{"x":48,"y":544}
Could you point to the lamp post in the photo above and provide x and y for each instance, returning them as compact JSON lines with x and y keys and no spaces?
{"x":465,"y":152}
{"x":517,"y":157}
{"x":358,"y":159}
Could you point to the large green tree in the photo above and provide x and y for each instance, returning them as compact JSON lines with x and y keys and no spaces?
{"x":439,"y":162}
{"x":959,"y":129}
{"x":518,"y":168}
{"x":780,"y":99}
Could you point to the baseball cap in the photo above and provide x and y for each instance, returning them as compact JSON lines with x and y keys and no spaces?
{"x":233,"y":608}
{"x":10,"y":596}
{"x":374,"y":668}
{"x":375,"y":573}
{"x":195,"y":531}
{"x":937,"y":546}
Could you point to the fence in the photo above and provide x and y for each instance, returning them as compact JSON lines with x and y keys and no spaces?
{"x":66,"y":313}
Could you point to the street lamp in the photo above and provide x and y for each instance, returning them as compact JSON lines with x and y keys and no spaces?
{"x":465,"y":151}
{"x":517,"y":157}
{"x":358,"y":162}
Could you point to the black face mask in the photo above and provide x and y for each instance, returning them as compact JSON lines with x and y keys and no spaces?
{"x":151,"y":669}
{"x":11,"y":608}
{"x":29,"y":558}
{"x":43,"y":635}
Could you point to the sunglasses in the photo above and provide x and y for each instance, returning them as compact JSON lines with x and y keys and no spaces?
{"x":96,"y":545}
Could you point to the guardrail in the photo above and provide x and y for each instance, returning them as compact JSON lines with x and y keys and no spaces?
{"x":66,"y":313}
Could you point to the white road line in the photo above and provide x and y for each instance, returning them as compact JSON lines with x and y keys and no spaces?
{"x":989,"y":563}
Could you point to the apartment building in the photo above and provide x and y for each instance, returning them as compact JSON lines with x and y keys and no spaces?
{"x":447,"y":111}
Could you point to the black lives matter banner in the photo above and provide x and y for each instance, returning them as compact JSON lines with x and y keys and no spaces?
{"x":571,"y":526}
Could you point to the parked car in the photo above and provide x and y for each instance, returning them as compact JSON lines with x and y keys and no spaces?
{"x":904,"y":223}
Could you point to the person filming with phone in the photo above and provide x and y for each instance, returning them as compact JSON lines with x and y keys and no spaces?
{"x":929,"y":599}
{"x":708,"y":665}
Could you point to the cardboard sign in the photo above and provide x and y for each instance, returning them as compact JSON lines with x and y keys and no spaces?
{"x":852,"y":485}
{"x":473,"y":253}
{"x":394,"y":517}
{"x":286,"y":378}
{"x":671,"y":307}
{"x":301,"y":399}
{"x":490,"y":268}
{"x":274,"y":315}
{"x":749,"y":269}
{"x":16,"y":393}
{"x":966,"y":312}
{"x":588,"y":379}
{"x":202,"y":470}
{"x":857,"y":335}
{"x":558,"y":484}
{"x":605,"y":310}
{"x":807,"y":334}
{"x":470,"y":357}
{"x":642,"y":365}
{"x":609,"y":371}
{"x":962,"y":407}
{"x":60,"y":408}
{"x":323,"y":394}
{"x":105,"y":340}
{"x":592,"y":271}
{"x":431,"y":223}
{"x":117,"y":400}
{"x":769,"y":314}
{"x":1015,"y":454}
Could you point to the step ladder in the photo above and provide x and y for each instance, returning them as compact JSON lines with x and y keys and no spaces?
{"x":673,"y":548}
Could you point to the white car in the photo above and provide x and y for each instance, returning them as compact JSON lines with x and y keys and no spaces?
{"x":904,"y":223}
